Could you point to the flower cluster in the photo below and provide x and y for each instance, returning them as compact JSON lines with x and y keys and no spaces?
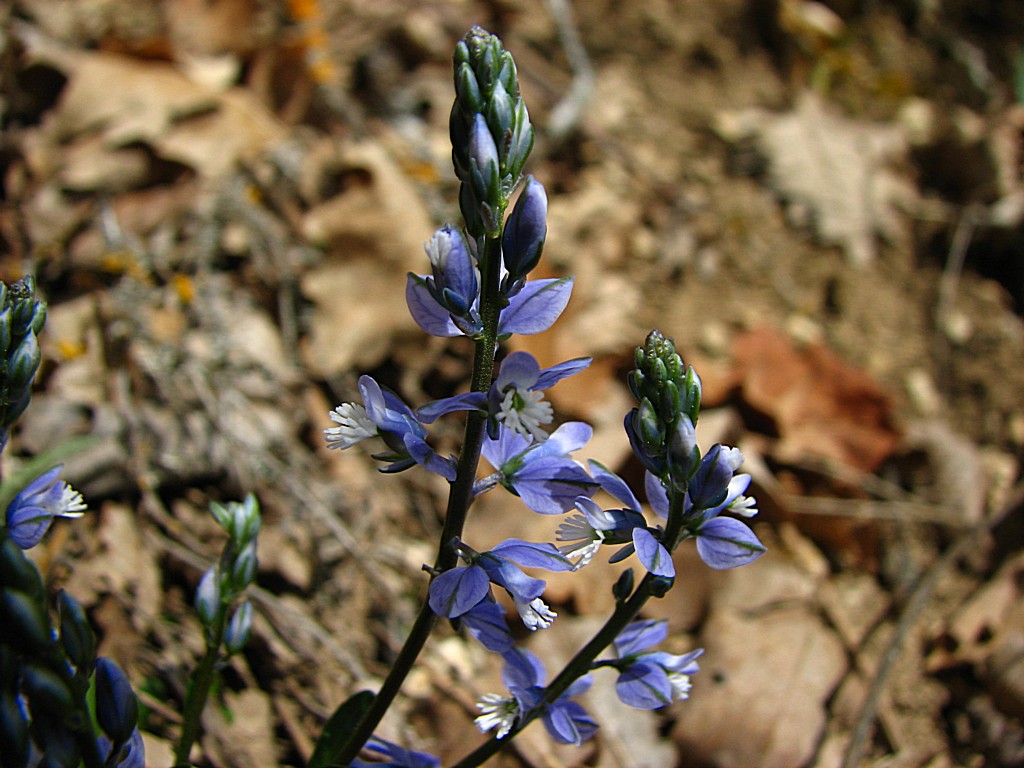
{"x":479,"y":286}
{"x":30,"y":513}
{"x":21,"y":319}
{"x":47,"y":673}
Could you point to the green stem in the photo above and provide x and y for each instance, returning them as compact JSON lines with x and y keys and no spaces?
{"x":460,"y":497}
{"x":198,"y":692}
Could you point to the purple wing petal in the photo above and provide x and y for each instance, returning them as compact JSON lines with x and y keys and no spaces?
{"x":508,"y":445}
{"x":486,"y":622}
{"x":551,"y":376}
{"x":468,"y":401}
{"x":551,"y":485}
{"x":568,"y":722}
{"x":569,"y":437}
{"x":724,"y":542}
{"x":456,"y":591}
{"x":644,"y":686}
{"x":613,"y":484}
{"x":641,"y":635}
{"x":535,"y":308}
{"x":533,"y":555}
{"x":656,"y":494}
{"x":428,"y":314}
{"x":652,"y":554}
{"x":522,"y":669}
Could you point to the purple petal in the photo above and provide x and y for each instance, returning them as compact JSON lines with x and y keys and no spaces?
{"x":522,"y":669}
{"x":551,"y":376}
{"x":456,"y":591}
{"x":613,"y":484}
{"x":519,"y":369}
{"x":685,"y":664}
{"x":641,"y":635}
{"x":427,"y":457}
{"x":428,"y":314}
{"x":710,"y":483}
{"x":568,"y":722}
{"x":657,"y":496}
{"x":533,"y":555}
{"x":652,"y":554}
{"x":724,"y":542}
{"x":468,"y":401}
{"x":644,"y":686}
{"x":525,"y":230}
{"x":551,"y":485}
{"x":509,"y":577}
{"x":535,"y":308}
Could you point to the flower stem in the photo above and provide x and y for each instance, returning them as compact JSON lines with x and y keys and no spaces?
{"x":199,"y":691}
{"x":460,"y":496}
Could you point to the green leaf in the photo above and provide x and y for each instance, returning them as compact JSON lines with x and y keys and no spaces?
{"x":339,"y":728}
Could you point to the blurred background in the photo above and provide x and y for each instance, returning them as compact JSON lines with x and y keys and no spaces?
{"x":822,"y":202}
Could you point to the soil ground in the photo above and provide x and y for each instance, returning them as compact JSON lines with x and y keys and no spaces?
{"x":822,"y":203}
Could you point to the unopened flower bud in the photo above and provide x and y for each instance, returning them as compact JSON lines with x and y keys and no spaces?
{"x":117,"y":707}
{"x":208,"y":599}
{"x":76,"y":635}
{"x":239,"y":628}
{"x":47,"y":694}
{"x":525,"y":230}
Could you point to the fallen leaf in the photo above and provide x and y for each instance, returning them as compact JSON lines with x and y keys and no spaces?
{"x":771,"y":663}
{"x":834,"y":168}
{"x":818,"y":404}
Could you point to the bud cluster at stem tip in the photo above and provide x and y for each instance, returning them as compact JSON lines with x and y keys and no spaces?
{"x":661,"y":428}
{"x":490,"y":130}
{"x":21,"y":320}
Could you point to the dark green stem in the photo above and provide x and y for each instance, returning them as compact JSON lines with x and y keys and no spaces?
{"x":199,"y":691}
{"x":460,"y":496}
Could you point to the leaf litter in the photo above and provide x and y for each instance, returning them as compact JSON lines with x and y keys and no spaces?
{"x":223,"y":258}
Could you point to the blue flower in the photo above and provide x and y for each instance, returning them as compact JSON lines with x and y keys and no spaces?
{"x":542,"y":474}
{"x":133,"y":753}
{"x":531,"y":310}
{"x":486,"y":622}
{"x":30,"y":512}
{"x":384,"y":415}
{"x":459,"y":590}
{"x":524,"y":235}
{"x":515,"y":398}
{"x":722,"y":542}
{"x":596,"y":527}
{"x":651,"y":679}
{"x":566,"y":721}
{"x":454,"y":285}
{"x":395,"y":756}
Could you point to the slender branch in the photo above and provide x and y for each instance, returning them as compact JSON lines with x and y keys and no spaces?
{"x":198,"y":692}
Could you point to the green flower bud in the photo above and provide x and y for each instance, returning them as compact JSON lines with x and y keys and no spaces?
{"x":25,"y":624}
{"x":76,"y":635}
{"x":623,"y":586}
{"x":17,"y":571}
{"x":46,"y":692}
